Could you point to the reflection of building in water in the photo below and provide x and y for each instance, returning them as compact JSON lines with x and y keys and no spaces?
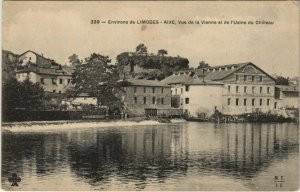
{"x":40,"y":154}
{"x":139,"y":154}
{"x":253,"y":147}
{"x":143,"y":154}
{"x":237,"y":149}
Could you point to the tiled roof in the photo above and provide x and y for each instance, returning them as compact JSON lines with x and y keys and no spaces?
{"x":148,"y":83}
{"x":46,"y":71}
{"x":287,"y":88}
{"x":219,"y":75}
{"x":188,"y":79}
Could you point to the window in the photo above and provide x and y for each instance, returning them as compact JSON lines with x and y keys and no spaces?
{"x":253,"y":90}
{"x":275,"y":105}
{"x":228,"y":89}
{"x":187,"y":88}
{"x":145,"y":89}
{"x":42,"y":81}
{"x":175,"y":90}
{"x":54,"y":91}
{"x":145,"y":100}
{"x":260,"y":90}
{"x":135,"y":100}
{"x":253,"y":102}
{"x":162,"y":90}
{"x":162,"y":101}
{"x":269,"y":90}
{"x":187,"y":100}
{"x":69,"y":80}
{"x":252,"y":78}
{"x":53,"y":81}
{"x":260,"y":79}
{"x":245,"y":89}
{"x":181,"y":90}
{"x":153,"y":100}
{"x":260,"y":102}
{"x":228,"y":101}
{"x":153,"y":89}
{"x":237,"y":102}
{"x":245,"y":77}
{"x":237,"y":77}
{"x":237,"y":89}
{"x":59,"y":92}
{"x":60,"y":81}
{"x":245,"y":102}
{"x":268,"y":102}
{"x":134,"y":89}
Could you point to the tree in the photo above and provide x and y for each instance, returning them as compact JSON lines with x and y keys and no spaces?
{"x":202,"y":65}
{"x":280,"y":80}
{"x":141,"y":49}
{"x":149,"y":62}
{"x":74,"y":60}
{"x":98,"y":78}
{"x":21,"y":95}
{"x":162,"y":52}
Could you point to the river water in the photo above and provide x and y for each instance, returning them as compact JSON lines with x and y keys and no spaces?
{"x":188,"y":156}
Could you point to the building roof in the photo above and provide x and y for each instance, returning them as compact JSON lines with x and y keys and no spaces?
{"x":84,"y":95}
{"x":51,"y":61}
{"x":46,"y":71}
{"x":189,"y":79}
{"x":212,"y":75}
{"x":219,"y":75}
{"x":147,"y":83}
{"x":287,"y":88}
{"x":68,"y":69}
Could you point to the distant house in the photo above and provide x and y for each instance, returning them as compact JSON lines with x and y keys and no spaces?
{"x":52,"y":76}
{"x":85,"y":99}
{"x":230,"y":89}
{"x":144,"y":94}
{"x":294,"y":81}
{"x":287,"y":96}
{"x":80,"y":101}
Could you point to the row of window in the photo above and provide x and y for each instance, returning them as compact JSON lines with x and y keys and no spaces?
{"x":154,"y":101}
{"x":187,"y":89}
{"x":249,"y":78}
{"x":245,"y":102}
{"x":54,"y":81}
{"x":237,"y":89}
{"x":152,"y":89}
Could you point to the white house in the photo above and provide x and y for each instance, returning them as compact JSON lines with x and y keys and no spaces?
{"x":287,"y":96}
{"x":231,"y":89}
{"x":52,"y":76}
{"x":195,"y":95}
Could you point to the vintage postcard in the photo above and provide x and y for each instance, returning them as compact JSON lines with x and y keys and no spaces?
{"x":153,"y":95}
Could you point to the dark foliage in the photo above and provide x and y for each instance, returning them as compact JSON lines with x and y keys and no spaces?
{"x":98,"y":78}
{"x":164,"y":65}
{"x":280,"y":80}
{"x":21,"y":95}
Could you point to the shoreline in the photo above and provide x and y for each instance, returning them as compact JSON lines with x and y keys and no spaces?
{"x":37,"y":126}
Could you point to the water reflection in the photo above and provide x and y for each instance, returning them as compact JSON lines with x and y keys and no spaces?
{"x":149,"y":155}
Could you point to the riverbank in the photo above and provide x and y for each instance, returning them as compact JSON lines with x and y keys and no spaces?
{"x":32,"y":126}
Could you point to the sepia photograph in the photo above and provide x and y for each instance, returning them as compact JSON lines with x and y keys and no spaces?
{"x":153,"y":95}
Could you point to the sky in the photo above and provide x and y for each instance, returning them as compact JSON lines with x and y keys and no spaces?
{"x":59,"y":29}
